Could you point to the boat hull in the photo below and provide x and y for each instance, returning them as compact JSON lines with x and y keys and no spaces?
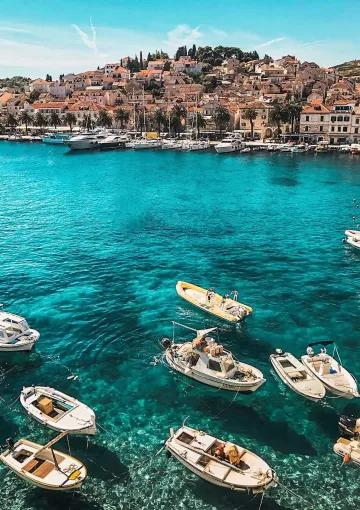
{"x":223,"y":384}
{"x":295,"y":389}
{"x":82,"y":145}
{"x":182,"y":287}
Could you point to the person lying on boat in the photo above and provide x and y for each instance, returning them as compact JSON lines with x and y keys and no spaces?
{"x":219,"y":452}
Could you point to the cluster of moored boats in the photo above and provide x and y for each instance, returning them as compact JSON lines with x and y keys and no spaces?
{"x":203,"y":359}
{"x":105,"y":139}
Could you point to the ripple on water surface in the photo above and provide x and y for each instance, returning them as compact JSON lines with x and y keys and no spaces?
{"x":91,"y":249}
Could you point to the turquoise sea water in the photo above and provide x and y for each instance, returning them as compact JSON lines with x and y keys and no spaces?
{"x":91,"y":247}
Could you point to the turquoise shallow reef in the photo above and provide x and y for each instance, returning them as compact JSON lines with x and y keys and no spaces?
{"x":91,"y":247}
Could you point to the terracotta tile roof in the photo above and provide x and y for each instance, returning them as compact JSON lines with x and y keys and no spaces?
{"x":315,"y":108}
{"x":49,"y":104}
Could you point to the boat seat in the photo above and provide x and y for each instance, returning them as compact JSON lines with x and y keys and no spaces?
{"x":32,"y":465}
{"x":295,"y":374}
{"x":43,"y":470}
{"x":343,"y":441}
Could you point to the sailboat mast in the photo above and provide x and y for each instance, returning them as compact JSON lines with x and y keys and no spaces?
{"x":144,"y":109}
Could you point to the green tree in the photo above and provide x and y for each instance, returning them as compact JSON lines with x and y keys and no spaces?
{"x":11,"y":121}
{"x":104,"y":119}
{"x":160,"y":119}
{"x":121,"y":116}
{"x":70,"y":120}
{"x":54,"y":119}
{"x":181,"y":52}
{"x":250,"y":114}
{"x":87,"y":121}
{"x":48,"y":77}
{"x":40,"y":120}
{"x":177,"y":116}
{"x":294,"y":110}
{"x":141,"y":63}
{"x":167,"y":66}
{"x":34,"y":96}
{"x":25,"y":118}
{"x":278,"y":115}
{"x":221,"y":118}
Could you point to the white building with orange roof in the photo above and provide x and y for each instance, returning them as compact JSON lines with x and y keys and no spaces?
{"x":314,"y":122}
{"x":187,"y":65}
{"x":120,"y":73}
{"x":39,"y":85}
{"x":147,"y":75}
{"x":157,"y":65}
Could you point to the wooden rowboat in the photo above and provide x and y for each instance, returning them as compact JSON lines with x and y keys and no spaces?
{"x":43,"y":466}
{"x":226,"y":309}
{"x":220,"y":462}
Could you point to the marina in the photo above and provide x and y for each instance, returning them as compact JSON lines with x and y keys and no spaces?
{"x":106,"y":240}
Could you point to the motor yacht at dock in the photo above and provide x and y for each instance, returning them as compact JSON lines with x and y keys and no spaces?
{"x":86,"y":141}
{"x":229,"y":144}
{"x":206,"y":361}
{"x":55,"y":138}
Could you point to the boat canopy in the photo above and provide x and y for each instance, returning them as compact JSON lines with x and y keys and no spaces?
{"x":324,"y":342}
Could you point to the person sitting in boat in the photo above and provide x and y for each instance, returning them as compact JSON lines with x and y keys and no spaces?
{"x":208,"y":295}
{"x":232,"y":454}
{"x":219,"y":452}
{"x":199,"y":343}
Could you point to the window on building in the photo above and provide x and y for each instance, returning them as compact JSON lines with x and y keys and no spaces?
{"x":344,"y":129}
{"x":307,"y":118}
{"x":347,"y":119}
{"x":356,"y":130}
{"x":333,"y":119}
{"x":306,"y":128}
{"x":332,"y":128}
{"x":321,"y":118}
{"x":357,"y":121}
{"x":339,"y":128}
{"x":340,"y":118}
{"x":321,"y":128}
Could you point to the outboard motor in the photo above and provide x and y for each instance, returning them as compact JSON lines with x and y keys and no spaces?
{"x":347,"y":427}
{"x":166,"y":343}
{"x":10,"y":443}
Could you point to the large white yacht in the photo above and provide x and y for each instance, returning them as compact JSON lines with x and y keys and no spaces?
{"x":85,"y":141}
{"x":15,"y":333}
{"x":229,"y":144}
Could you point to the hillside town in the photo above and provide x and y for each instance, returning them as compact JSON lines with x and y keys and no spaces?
{"x":210,"y":89}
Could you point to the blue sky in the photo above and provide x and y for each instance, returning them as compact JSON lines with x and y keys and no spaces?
{"x":41,"y":36}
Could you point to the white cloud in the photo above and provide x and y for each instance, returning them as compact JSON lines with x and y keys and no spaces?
{"x":271,"y":42}
{"x":89,"y":42}
{"x":182,"y":35}
{"x":16,"y":30}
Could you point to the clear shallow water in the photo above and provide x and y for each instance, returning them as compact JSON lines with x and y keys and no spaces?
{"x":91,"y":248}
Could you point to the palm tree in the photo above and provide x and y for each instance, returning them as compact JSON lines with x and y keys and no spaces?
{"x":250,"y":114}
{"x":177,"y":115}
{"x":11,"y":121}
{"x":25,"y":118}
{"x":221,"y":118}
{"x":54,"y":119}
{"x":160,"y":119}
{"x":40,"y":120}
{"x":104,"y":119}
{"x":70,"y":120}
{"x":278,"y":115}
{"x":121,"y":116}
{"x":294,"y":110}
{"x":200,"y":122}
{"x":87,"y":121}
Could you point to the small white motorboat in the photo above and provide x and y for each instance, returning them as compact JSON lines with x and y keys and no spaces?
{"x":57,"y":410}
{"x":329,"y":371}
{"x":297,"y":376}
{"x":204,"y":360}
{"x":172,"y":144}
{"x":220,"y":462}
{"x":354,"y":242}
{"x":228,"y":144}
{"x":349,"y":450}
{"x":197,"y":145}
{"x":352,"y":233}
{"x":15,"y":333}
{"x":44,"y":467}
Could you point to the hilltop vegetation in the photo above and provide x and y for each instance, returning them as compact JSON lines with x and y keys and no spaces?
{"x":349,"y":69}
{"x":17,"y":83}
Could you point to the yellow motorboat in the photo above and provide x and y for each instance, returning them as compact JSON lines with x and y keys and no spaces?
{"x":209,"y":301}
